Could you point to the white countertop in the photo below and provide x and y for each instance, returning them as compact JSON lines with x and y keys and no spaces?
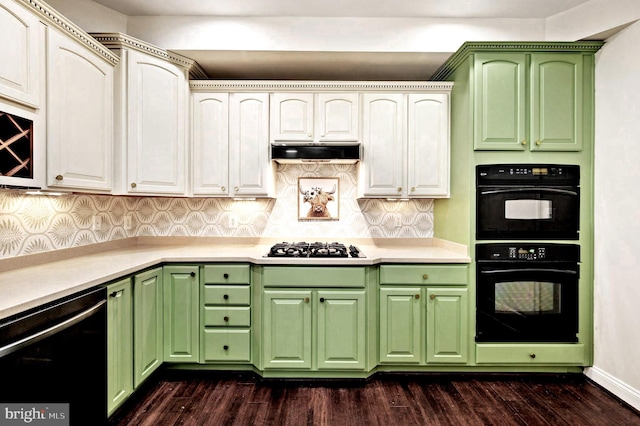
{"x":29,"y":281}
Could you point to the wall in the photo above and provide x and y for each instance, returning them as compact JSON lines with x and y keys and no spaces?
{"x":30,"y":224}
{"x":617,"y":216}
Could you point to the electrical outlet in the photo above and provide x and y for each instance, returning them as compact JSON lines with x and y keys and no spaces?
{"x":398,"y":221}
{"x":127,"y":222}
{"x":97,"y":223}
{"x":233,"y":221}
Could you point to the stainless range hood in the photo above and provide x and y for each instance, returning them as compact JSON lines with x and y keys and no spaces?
{"x":330,"y":154}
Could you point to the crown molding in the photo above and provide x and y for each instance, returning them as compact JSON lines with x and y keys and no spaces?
{"x":506,"y":46}
{"x":318,"y":86}
{"x":124,"y":41}
{"x":55,"y":19}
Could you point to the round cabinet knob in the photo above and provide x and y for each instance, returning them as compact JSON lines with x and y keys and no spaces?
{"x":322,"y":300}
{"x":306,"y":300}
{"x":432,"y":296}
{"x":399,"y":189}
{"x":309,"y":134}
{"x":133,"y":184}
{"x":417,"y":296}
{"x":538,"y":143}
{"x":226,"y":276}
{"x":223,"y":189}
{"x":532,"y":355}
{"x":236,"y":189}
{"x":225,"y":297}
{"x":226,"y":319}
{"x":225,"y":347}
{"x":193,"y":274}
{"x":524,"y":142}
{"x":425,"y":276}
{"x":59,"y":177}
{"x":413,"y":189}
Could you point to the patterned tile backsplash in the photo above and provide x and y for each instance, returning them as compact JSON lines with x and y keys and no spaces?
{"x":31,"y":224}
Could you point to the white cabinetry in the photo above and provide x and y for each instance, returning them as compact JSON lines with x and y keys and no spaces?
{"x":231,"y":145}
{"x":405,"y":145}
{"x":22,"y":50}
{"x":80,"y":116}
{"x":314,"y":118}
{"x":152,"y":104}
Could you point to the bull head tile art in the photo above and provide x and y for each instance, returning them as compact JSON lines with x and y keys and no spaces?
{"x":319,"y":198}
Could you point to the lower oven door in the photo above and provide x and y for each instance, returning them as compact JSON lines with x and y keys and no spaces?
{"x":527,"y":212}
{"x":522,"y":304}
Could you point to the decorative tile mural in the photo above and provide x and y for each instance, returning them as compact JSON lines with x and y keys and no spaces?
{"x":31,"y":224}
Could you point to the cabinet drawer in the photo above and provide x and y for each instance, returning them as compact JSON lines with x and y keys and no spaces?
{"x":509,"y":353}
{"x":232,"y":316}
{"x":227,"y":295}
{"x":314,"y":276}
{"x":227,"y":345}
{"x":424,"y":274}
{"x":226,"y":273}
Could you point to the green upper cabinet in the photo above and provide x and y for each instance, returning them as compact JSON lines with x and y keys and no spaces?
{"x":528,"y":101}
{"x":522,"y":96}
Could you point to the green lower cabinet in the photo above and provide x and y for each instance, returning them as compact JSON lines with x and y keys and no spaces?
{"x":226,"y":345}
{"x":181,"y":311}
{"x":314,"y":329}
{"x":401,"y":325}
{"x":447,"y":325}
{"x":147,"y":324}
{"x":531,"y":353}
{"x":119,"y":343}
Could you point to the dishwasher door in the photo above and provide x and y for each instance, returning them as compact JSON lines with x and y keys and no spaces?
{"x":56,"y":354}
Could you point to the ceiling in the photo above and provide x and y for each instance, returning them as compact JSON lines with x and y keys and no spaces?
{"x":323,"y":65}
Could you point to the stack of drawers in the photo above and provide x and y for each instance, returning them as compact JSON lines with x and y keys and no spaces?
{"x":226,"y":313}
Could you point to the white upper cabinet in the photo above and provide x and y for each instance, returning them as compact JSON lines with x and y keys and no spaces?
{"x":231,"y":145}
{"x":250,"y":171}
{"x":428,"y":145}
{"x":405,"y":146}
{"x":21,"y":50}
{"x":152,"y":106}
{"x":314,"y":118}
{"x":79,"y":117}
{"x":156,"y":137}
{"x":210,"y":144}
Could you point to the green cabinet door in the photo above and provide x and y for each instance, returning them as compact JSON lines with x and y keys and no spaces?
{"x":119,"y":344}
{"x":287,"y":329}
{"x":447,"y":325}
{"x":147,"y":324}
{"x":181,"y":290}
{"x":342,"y":328}
{"x":528,"y":101}
{"x":500,"y":101}
{"x":556,"y":101}
{"x":401,"y":325}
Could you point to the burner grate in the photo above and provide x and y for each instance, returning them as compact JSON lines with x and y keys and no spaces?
{"x":317,"y":249}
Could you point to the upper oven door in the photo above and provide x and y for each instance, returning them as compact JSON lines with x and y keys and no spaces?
{"x":513,"y":212}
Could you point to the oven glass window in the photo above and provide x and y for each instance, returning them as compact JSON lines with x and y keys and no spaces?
{"x":527,"y":209}
{"x":527,"y":297}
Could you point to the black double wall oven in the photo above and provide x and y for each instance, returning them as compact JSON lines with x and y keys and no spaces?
{"x":527,"y":282}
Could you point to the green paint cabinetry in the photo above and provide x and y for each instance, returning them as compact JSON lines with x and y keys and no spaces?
{"x":181,"y":311}
{"x":226,"y":314}
{"x":314,"y":318}
{"x":147,"y":324}
{"x":119,"y":343}
{"x":424,"y":314}
{"x":529,"y":101}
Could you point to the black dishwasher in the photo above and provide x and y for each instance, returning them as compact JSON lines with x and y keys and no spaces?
{"x":56,"y":354}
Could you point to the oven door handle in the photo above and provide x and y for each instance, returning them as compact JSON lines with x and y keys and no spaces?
{"x":528,"y":270}
{"x":43,"y":334}
{"x":515,"y":190}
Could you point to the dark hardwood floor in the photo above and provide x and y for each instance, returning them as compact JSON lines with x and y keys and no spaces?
{"x":205,"y":398}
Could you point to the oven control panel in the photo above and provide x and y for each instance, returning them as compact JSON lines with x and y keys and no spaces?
{"x":523,"y":252}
